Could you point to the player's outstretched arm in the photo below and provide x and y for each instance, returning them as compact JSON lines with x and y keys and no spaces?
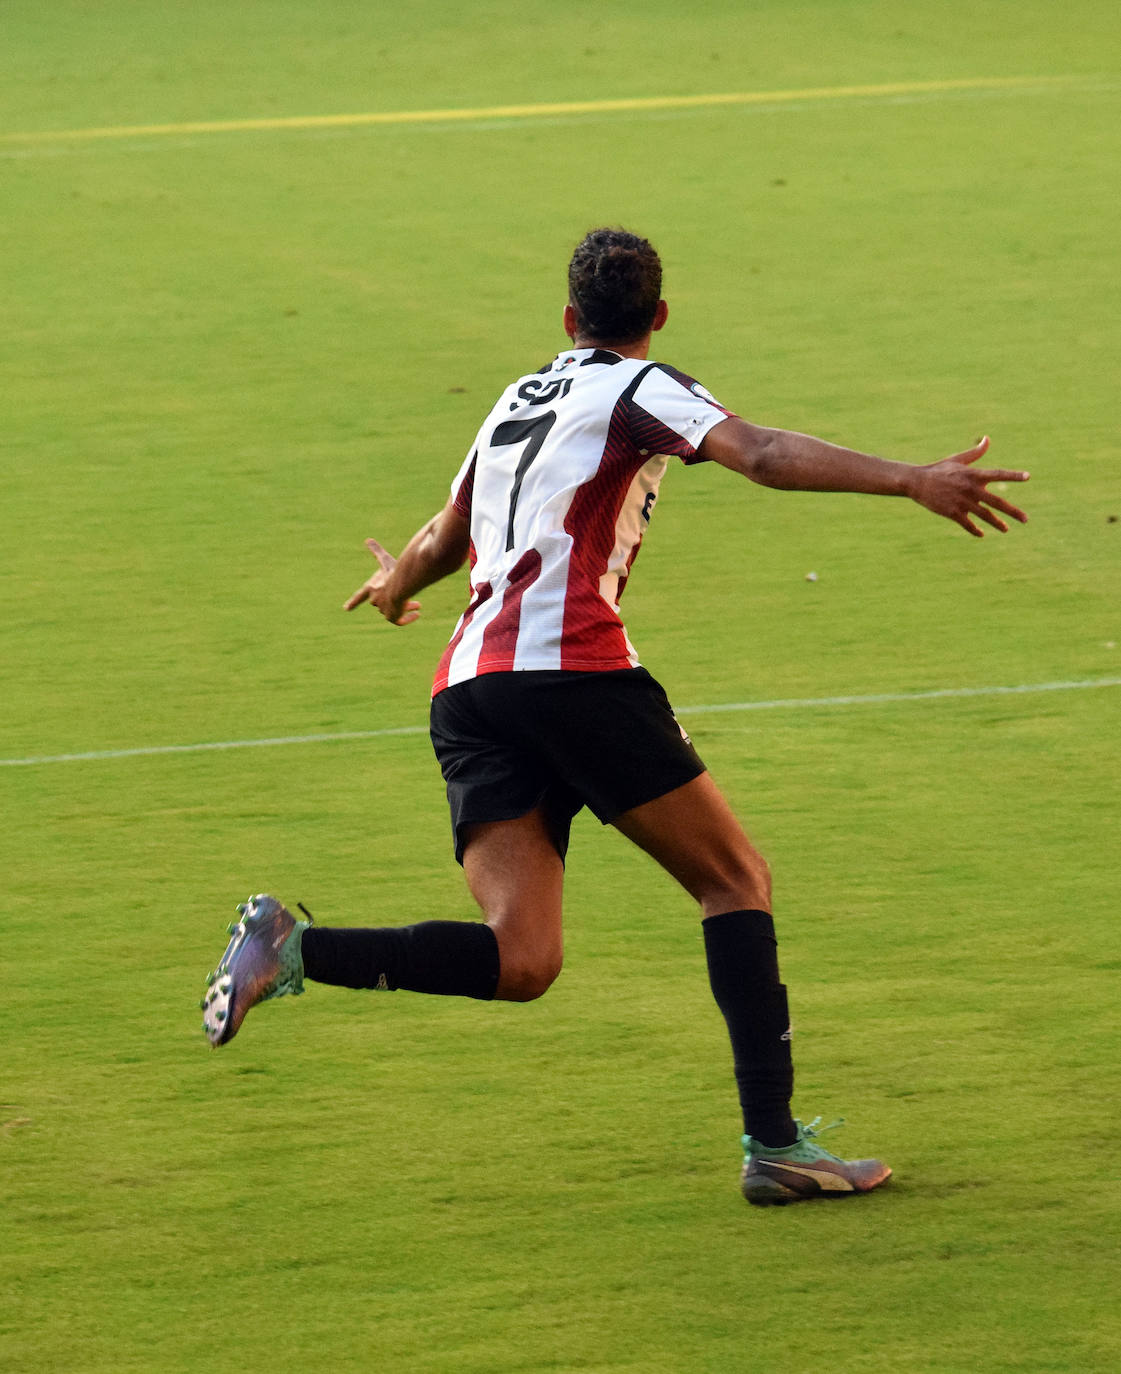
{"x":438,"y":549}
{"x":790,"y":461}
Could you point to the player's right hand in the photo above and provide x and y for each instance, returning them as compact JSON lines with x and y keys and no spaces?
{"x":377,"y":590}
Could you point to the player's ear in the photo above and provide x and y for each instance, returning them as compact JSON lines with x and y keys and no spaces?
{"x":570,"y":322}
{"x":661,"y":314}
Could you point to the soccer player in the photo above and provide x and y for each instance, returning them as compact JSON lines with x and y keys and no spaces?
{"x":540,"y":707}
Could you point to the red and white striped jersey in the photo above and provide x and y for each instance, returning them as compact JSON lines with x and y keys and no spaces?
{"x":559,"y":487}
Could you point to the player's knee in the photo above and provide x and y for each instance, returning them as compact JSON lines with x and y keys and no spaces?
{"x":526,"y":979}
{"x":741,"y":880}
{"x":758,"y":873}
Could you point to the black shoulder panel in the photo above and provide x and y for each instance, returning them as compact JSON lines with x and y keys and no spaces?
{"x":628,"y":395}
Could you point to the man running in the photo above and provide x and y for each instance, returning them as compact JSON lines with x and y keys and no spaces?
{"x":540,"y":706}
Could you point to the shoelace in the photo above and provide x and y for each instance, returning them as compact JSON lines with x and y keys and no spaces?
{"x":811,"y":1131}
{"x":806,"y":1132}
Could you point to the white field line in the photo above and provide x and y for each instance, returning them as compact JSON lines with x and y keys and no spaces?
{"x":632,"y":104}
{"x":787,"y":704}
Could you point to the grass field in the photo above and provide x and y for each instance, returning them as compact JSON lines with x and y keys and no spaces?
{"x":229,"y":356}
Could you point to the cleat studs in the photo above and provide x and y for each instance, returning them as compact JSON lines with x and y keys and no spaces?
{"x":224,"y":988}
{"x":211,"y":978}
{"x":242,"y":908}
{"x":232,"y":928}
{"x":202,"y":1005}
{"x":219,"y":1016}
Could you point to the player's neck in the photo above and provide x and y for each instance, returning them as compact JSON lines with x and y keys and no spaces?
{"x":639,"y":349}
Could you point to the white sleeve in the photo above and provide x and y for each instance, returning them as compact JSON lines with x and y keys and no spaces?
{"x":681,"y":405}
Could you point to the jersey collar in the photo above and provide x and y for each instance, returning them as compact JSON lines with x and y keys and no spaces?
{"x":585,"y":357}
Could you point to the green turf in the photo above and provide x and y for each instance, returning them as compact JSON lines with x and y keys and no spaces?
{"x":226,"y":359}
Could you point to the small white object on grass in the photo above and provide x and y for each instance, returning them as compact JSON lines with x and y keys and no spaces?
{"x":811,"y":577}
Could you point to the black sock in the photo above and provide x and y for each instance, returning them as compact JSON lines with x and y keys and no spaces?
{"x":451,"y":958}
{"x":743,"y":970}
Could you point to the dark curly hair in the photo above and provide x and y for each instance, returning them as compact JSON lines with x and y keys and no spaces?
{"x":614,"y":285}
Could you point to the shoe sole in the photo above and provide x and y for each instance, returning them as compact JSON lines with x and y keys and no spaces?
{"x":220,"y":984}
{"x":765,"y":1192}
{"x":222,"y":1012}
{"x":762,"y":1191}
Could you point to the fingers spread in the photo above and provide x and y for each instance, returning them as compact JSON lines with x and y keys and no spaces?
{"x":983,"y":513}
{"x":362,"y":594}
{"x":1001,"y":475}
{"x":384,"y":557}
{"x":990,"y":498}
{"x":972,"y":454}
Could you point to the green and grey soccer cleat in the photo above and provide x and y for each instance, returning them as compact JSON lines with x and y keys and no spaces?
{"x":804,"y":1170}
{"x":261,"y":961}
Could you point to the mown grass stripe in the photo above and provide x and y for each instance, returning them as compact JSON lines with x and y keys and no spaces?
{"x":623,"y":105}
{"x":786,"y":703}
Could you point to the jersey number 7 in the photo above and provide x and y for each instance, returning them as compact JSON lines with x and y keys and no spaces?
{"x":533,"y":434}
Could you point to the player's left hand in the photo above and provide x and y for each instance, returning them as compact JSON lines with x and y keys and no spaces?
{"x":960,"y":492}
{"x":378,"y":590}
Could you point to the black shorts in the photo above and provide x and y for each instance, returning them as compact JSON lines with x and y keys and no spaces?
{"x":509,"y":742}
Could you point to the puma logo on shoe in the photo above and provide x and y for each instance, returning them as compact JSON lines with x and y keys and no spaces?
{"x":826,"y":1179}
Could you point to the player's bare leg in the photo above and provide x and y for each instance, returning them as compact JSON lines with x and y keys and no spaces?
{"x":694,"y":835}
{"x":517,"y":877}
